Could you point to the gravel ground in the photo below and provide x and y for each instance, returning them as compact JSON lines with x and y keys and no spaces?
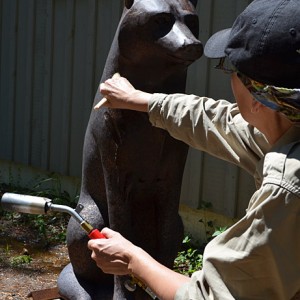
{"x":17,"y":279}
{"x":17,"y":282}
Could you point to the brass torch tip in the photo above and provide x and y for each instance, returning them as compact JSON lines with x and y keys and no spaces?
{"x":86,"y":226}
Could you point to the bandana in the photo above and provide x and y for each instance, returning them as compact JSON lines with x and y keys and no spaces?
{"x":284,"y":100}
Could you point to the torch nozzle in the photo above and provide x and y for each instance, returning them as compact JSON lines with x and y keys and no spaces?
{"x":25,"y":204}
{"x":35,"y":205}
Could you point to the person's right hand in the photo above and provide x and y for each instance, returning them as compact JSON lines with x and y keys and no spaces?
{"x":120,"y":93}
{"x":112,"y":254}
{"x":117,"y":255}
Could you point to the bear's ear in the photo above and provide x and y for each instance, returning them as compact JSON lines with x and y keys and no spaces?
{"x":194,"y":2}
{"x":128,"y":3}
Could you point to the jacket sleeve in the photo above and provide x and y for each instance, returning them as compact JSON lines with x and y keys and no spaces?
{"x":215,"y":127}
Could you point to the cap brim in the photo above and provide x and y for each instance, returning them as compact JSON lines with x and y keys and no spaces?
{"x":217,"y":43}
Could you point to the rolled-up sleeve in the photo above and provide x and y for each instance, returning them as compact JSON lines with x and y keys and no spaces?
{"x":215,"y":127}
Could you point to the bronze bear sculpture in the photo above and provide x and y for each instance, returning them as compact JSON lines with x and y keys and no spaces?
{"x":132,"y":171}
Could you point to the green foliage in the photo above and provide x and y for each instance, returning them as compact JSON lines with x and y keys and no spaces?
{"x":219,"y":230}
{"x":39,"y":223}
{"x":20,"y":260}
{"x":7,"y":248}
{"x":189,"y":259}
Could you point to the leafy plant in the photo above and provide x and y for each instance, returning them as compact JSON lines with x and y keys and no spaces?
{"x":7,"y":248}
{"x":51,"y":188}
{"x":208,"y":224}
{"x":20,"y":260}
{"x":219,"y":230}
{"x":188,"y":260}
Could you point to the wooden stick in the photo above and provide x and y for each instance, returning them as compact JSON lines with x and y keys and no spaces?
{"x":100,"y":103}
{"x":104,"y":100}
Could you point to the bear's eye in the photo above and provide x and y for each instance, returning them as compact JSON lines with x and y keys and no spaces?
{"x":164,"y":19}
{"x":192,"y":22}
{"x":162,"y":24}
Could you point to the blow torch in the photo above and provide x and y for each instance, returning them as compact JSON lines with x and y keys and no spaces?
{"x":41,"y":206}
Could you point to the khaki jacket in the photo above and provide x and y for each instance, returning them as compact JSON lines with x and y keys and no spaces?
{"x":259,"y":256}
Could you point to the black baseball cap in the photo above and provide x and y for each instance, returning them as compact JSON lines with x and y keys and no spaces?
{"x":263,"y":43}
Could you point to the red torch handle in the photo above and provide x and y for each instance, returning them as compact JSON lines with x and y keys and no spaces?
{"x":96,"y":234}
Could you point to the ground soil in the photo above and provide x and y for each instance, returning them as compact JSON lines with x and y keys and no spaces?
{"x":19,"y":240}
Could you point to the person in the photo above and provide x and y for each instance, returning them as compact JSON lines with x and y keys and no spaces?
{"x":259,"y":256}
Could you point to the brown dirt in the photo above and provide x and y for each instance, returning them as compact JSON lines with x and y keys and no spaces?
{"x":19,"y":241}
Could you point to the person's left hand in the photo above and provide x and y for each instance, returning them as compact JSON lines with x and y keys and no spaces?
{"x":112,"y":254}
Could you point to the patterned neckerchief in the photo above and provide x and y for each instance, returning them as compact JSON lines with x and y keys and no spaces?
{"x":284,"y":100}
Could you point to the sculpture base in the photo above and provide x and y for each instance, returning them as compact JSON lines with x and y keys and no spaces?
{"x":70,"y":287}
{"x":46,"y":294}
